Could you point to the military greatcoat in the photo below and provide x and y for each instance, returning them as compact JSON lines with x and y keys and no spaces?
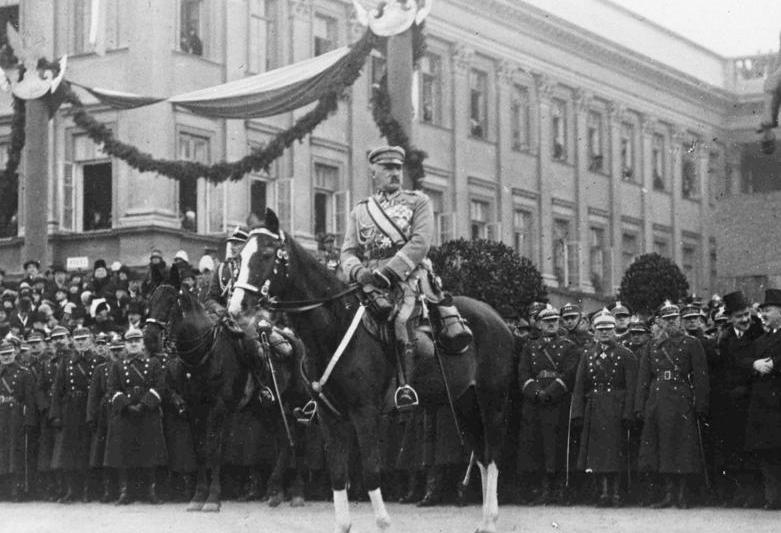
{"x":47,"y":371}
{"x":672,"y":391}
{"x":97,"y":413}
{"x":604,"y":398}
{"x":17,"y":410}
{"x":136,"y":438}
{"x":548,"y":365}
{"x":69,"y":406}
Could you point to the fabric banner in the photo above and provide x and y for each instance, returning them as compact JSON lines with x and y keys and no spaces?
{"x":270,"y":93}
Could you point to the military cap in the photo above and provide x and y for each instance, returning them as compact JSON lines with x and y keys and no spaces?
{"x":116,"y":345}
{"x":6,"y":347}
{"x":101,"y":338}
{"x":81,"y":333}
{"x":59,"y":331}
{"x":240,"y":234}
{"x":619,"y":309}
{"x":35,"y":336}
{"x":534,"y":309}
{"x":720,"y":317}
{"x":548,"y":313}
{"x":523,"y":324}
{"x":569,"y":309}
{"x":24,"y":346}
{"x":636,"y":325}
{"x":604,"y":319}
{"x":387,"y":154}
{"x":668,"y":310}
{"x":691,"y":311}
{"x":13,"y":339}
{"x":133,"y":333}
{"x":156,"y":253}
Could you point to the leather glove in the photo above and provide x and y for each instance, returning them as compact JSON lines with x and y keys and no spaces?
{"x":382,"y":279}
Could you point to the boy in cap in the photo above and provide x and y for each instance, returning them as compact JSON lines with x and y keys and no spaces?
{"x":602,"y":408}
{"x":17,"y":414}
{"x":385,"y":246}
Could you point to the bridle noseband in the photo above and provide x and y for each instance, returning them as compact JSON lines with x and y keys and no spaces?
{"x":280,"y":263}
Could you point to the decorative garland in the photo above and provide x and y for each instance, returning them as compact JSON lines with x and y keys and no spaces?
{"x":387,"y":123}
{"x":9,"y":179}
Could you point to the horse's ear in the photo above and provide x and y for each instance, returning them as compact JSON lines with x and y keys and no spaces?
{"x":174,"y":277}
{"x":271,"y":222}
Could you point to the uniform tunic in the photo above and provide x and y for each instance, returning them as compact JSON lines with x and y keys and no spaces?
{"x":69,"y":405}
{"x":136,"y":438}
{"x":43,"y":399}
{"x":17,"y":410}
{"x":672,"y":390}
{"x":547,"y":364}
{"x":97,"y":413}
{"x":603,"y":398}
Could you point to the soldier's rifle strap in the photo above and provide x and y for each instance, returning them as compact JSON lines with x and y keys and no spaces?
{"x":550,"y":359}
{"x":384,"y":222}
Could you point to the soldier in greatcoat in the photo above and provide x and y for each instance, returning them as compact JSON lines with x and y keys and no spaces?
{"x":37,"y":355}
{"x":136,"y":386}
{"x":17,"y":414}
{"x":546,"y":374}
{"x":602,"y":405}
{"x":671,"y":400}
{"x":763,"y":427}
{"x":50,"y":481}
{"x":97,"y":414}
{"x":68,"y":413}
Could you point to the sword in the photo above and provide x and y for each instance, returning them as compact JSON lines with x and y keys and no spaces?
{"x":628,"y":460}
{"x":468,"y":473}
{"x":569,"y":438}
{"x":702,"y":455}
{"x":267,"y":349}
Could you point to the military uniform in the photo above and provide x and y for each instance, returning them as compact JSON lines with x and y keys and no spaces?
{"x":17,"y":413}
{"x":546,"y":373}
{"x":221,"y":286}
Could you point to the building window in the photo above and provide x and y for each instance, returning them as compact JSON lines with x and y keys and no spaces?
{"x":522,"y":233}
{"x":689,"y":265}
{"x":658,"y":162}
{"x":688,"y":171}
{"x":478,"y":104}
{"x":80,"y":24}
{"x":597,"y":258}
{"x":561,"y":232}
{"x":596,"y":159}
{"x":627,"y":151}
{"x":559,"y":129}
{"x":629,"y":249}
{"x":478,"y":215}
{"x":519,"y":116}
{"x":192,"y":148}
{"x":263,"y":35}
{"x":331,"y":206}
{"x":662,"y":246}
{"x":87,"y":187}
{"x":8,"y":225}
{"x":191,"y":27}
{"x":431,"y":89}
{"x":325,"y":34}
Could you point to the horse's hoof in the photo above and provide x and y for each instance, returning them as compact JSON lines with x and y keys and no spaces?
{"x":275,"y":499}
{"x":211,"y":507}
{"x":195,"y":506}
{"x":297,"y":501}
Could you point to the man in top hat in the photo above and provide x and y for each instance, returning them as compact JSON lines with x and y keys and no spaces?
{"x":387,"y":239}
{"x":672,"y":398}
{"x":136,"y":386}
{"x":622,"y":314}
{"x":763,"y":426}
{"x":602,"y":408}
{"x":546,"y":374}
{"x":68,"y":412}
{"x":735,"y":479}
{"x":17,"y":414}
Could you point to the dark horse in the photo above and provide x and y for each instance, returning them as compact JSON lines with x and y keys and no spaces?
{"x":275,"y":266}
{"x":219,"y":379}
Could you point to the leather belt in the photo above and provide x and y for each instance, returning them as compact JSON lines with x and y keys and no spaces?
{"x":670,"y":375}
{"x":547,"y":374}
{"x":383,"y":253}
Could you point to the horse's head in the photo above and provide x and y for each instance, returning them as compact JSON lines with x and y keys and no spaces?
{"x":264,"y":266}
{"x":162,"y":304}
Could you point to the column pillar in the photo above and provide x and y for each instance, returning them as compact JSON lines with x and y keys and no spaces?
{"x":462,"y":60}
{"x":545,"y":86}
{"x":647,"y":128}
{"x":678,"y":137}
{"x":615,"y":116}
{"x":703,"y":162}
{"x":504,"y":98}
{"x":582,"y":103}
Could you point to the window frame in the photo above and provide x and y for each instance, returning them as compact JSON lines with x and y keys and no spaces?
{"x":478,"y":74}
{"x":435,"y":81}
{"x":332,"y":26}
{"x":558,"y":115}
{"x":520,"y":118}
{"x":75,"y":167}
{"x":596,"y":157}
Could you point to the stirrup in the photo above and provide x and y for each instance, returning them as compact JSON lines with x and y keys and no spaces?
{"x":265,"y":394}
{"x":304,"y":415}
{"x":405,"y":403}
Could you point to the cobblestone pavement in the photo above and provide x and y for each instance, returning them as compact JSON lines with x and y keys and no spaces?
{"x":317,"y":517}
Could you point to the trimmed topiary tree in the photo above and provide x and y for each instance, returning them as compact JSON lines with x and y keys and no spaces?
{"x":649,"y":281}
{"x":489,"y":271}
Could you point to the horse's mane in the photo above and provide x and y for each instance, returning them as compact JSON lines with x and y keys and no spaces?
{"x":304,"y":267}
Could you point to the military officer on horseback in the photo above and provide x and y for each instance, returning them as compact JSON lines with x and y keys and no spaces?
{"x":221,"y":286}
{"x":388,"y":237}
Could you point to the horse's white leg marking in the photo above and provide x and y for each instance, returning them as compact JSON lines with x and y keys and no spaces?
{"x":492,"y":503}
{"x":484,"y":481}
{"x":342,"y":511}
{"x":381,"y":516}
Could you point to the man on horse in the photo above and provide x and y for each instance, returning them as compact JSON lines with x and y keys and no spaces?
{"x":388,"y":237}
{"x":223,"y":278}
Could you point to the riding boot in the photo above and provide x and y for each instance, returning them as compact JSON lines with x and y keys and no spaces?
{"x":453,"y":335}
{"x":106,"y":481}
{"x":70,"y":490}
{"x":153,"y":499}
{"x":604,"y":496}
{"x":617,"y":499}
{"x":405,"y":397}
{"x":124,"y":497}
{"x":667,"y":500}
{"x":413,"y":486}
{"x":682,"y":501}
{"x":433,"y":495}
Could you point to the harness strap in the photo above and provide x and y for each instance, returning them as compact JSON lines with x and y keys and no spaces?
{"x":318,"y":385}
{"x":301,"y":306}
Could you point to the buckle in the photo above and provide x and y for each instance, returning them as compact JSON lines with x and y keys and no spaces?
{"x":406,"y":402}
{"x":667,"y":375}
{"x":304,"y":415}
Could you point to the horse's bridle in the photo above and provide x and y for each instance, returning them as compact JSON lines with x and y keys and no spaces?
{"x":280,"y":265}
